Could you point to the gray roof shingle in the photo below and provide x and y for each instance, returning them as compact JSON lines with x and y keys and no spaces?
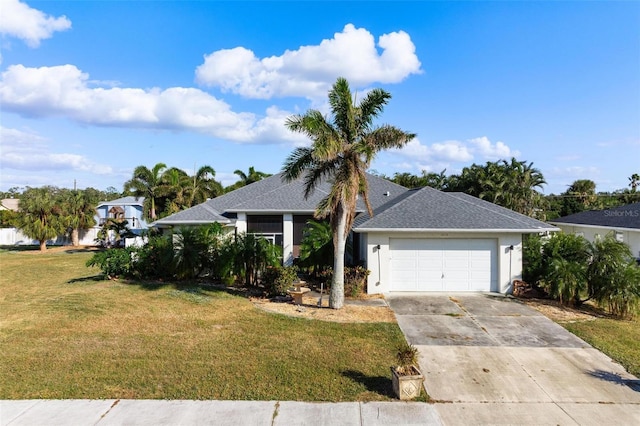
{"x":430,"y":209}
{"x":273,"y":195}
{"x":619,"y":217}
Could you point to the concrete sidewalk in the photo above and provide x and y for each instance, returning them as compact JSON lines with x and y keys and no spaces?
{"x":236,"y":413}
{"x":233,"y":413}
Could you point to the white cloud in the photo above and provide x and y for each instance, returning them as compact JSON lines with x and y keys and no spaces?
{"x":450,"y":154}
{"x":31,"y":25}
{"x":310,"y":70}
{"x":64,"y":91}
{"x":490,"y":151}
{"x":26,"y":150}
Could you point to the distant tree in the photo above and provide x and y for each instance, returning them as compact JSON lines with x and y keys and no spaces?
{"x":202,"y":186}
{"x":342,"y":149}
{"x":41,"y":215}
{"x":172,"y":191}
{"x":78,"y":213}
{"x":146,"y":183}
{"x":439,"y":181}
{"x":580,"y":196}
{"x":247,"y":178}
{"x":511,"y":184}
{"x":634,"y":182}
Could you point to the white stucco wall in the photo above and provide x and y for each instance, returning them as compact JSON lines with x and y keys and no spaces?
{"x":509,"y":262}
{"x":629,"y":237}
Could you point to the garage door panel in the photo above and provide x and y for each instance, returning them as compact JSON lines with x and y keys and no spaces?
{"x":443,"y":264}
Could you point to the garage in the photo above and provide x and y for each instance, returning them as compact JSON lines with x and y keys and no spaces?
{"x":443,"y":264}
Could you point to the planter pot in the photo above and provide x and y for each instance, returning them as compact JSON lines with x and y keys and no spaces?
{"x":407,"y":387}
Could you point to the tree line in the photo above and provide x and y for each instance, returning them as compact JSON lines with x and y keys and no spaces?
{"x":516,"y":185}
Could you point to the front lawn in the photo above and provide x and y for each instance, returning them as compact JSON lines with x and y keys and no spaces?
{"x":65,"y":333}
{"x":619,"y":339}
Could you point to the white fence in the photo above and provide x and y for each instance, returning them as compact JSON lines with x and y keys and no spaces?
{"x":14,"y":237}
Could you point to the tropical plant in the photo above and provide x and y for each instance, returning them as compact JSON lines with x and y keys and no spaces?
{"x":202,"y":186}
{"x":565,"y":258}
{"x":342,"y":149}
{"x":407,"y":357}
{"x":117,"y":228}
{"x":114,"y":263}
{"x":172,"y":190}
{"x":278,"y":279}
{"x":248,"y":256}
{"x":613,"y":276}
{"x":78,"y":213}
{"x":250,"y":177}
{"x":40,"y":215}
{"x":155,"y":259}
{"x":147,"y":183}
{"x":316,"y":247}
{"x":195,"y":249}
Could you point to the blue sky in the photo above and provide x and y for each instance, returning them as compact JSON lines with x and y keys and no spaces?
{"x":91,"y":89}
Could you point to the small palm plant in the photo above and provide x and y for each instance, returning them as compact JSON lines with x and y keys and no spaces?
{"x":407,"y":357}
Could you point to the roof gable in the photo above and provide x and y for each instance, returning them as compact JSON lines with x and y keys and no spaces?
{"x":619,"y":217}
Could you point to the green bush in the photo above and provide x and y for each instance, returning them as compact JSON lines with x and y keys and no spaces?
{"x":114,"y":262}
{"x":155,"y":259}
{"x":564,"y":263}
{"x":278,"y":279}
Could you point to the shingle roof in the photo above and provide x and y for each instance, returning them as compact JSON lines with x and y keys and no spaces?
{"x":619,"y":217}
{"x":273,"y":195}
{"x":430,"y":209}
{"x":124,"y":201}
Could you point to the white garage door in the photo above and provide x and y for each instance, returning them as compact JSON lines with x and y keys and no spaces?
{"x":443,"y":264}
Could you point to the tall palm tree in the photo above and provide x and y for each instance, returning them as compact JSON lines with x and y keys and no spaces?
{"x":342,"y":149}
{"x":40,"y":215}
{"x":146,"y":183}
{"x":251,"y":177}
{"x":79,"y":213}
{"x":173,"y":190}
{"x":202,"y":186}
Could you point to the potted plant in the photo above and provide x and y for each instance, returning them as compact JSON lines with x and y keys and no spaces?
{"x":406,"y":377}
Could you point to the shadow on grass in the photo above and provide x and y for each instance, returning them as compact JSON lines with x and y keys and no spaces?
{"x":377,"y":384}
{"x":607,"y":376}
{"x":93,"y":278}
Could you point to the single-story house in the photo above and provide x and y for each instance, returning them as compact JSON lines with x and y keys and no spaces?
{"x":419,"y":240}
{"x":623,"y":222}
{"x":127,"y":208}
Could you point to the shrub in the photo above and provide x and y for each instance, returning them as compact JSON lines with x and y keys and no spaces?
{"x":564,"y":259}
{"x":355,"y":280}
{"x":532,"y":262}
{"x":114,"y":262}
{"x":277,"y":279}
{"x":155,"y":259}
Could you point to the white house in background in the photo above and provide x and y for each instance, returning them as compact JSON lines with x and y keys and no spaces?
{"x":418,"y":240}
{"x":623,"y":222}
{"x":128,"y":208}
{"x":10,"y":204}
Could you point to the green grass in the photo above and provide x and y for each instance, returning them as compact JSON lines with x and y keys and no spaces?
{"x":619,"y":339}
{"x":66,"y":333}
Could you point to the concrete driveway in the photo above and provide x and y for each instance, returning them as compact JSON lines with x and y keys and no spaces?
{"x":491,"y":359}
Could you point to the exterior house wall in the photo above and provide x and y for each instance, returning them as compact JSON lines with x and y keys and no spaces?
{"x":132,"y":213}
{"x":591,"y":232}
{"x":509,"y":261}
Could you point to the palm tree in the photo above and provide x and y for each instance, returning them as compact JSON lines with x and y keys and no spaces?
{"x":246,"y":178}
{"x":342,"y":149}
{"x":202,"y":186}
{"x":79,"y":213}
{"x":40,"y":215}
{"x":173,"y":190}
{"x":146,"y":183}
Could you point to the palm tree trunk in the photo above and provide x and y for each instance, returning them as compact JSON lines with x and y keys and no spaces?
{"x":43,"y":245}
{"x":75,"y":238}
{"x":336,"y":297}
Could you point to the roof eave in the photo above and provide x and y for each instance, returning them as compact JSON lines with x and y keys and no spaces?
{"x":610,"y":227}
{"x":458,"y":230}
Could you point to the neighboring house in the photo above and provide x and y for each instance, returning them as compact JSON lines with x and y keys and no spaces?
{"x":623,"y":222}
{"x":127,"y":208}
{"x":10,"y":204}
{"x":418,"y":240}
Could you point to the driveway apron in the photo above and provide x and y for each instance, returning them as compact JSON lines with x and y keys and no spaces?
{"x":497,"y":360}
